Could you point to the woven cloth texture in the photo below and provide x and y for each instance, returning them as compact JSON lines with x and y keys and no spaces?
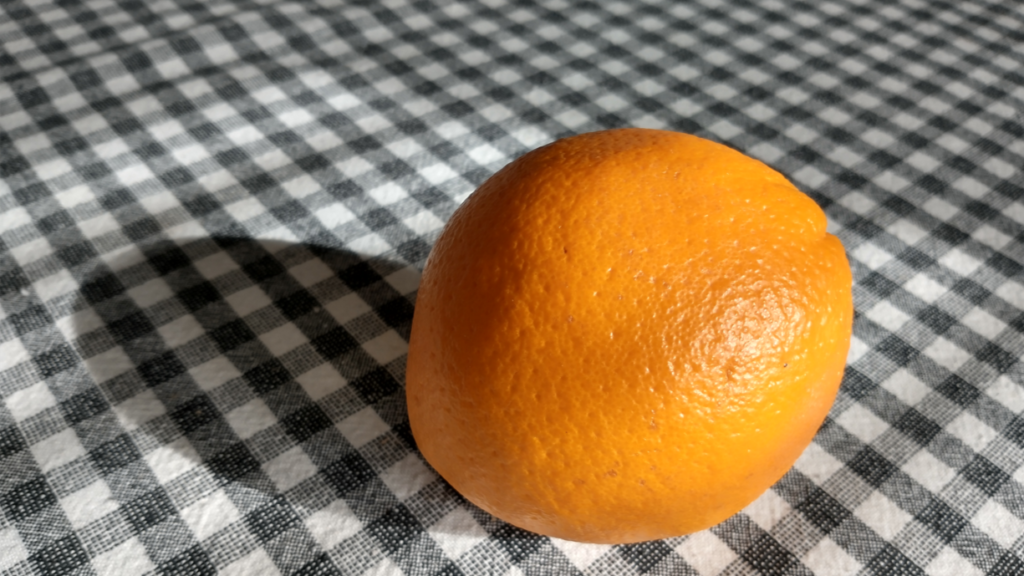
{"x":214,"y":215}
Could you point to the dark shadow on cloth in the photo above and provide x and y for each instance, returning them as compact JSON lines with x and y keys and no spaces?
{"x":221,"y":356}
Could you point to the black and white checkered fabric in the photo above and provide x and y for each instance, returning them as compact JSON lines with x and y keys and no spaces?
{"x":213,"y":216}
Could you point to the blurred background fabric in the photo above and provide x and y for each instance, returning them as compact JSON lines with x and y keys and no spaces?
{"x":214,"y":215}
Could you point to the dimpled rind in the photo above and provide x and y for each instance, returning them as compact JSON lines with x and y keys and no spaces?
{"x":627,"y":335}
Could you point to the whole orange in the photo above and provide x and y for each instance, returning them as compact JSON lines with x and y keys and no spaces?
{"x":627,"y":335}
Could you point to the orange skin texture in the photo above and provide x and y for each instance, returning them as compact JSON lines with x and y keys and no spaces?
{"x":627,"y":335}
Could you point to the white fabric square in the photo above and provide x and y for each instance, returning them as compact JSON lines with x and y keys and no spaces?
{"x":947,"y":354}
{"x":172,"y":460}
{"x":321,"y":381}
{"x":457,"y":532}
{"x":405,"y":280}
{"x":128,"y":557}
{"x":139,"y":409}
{"x":817,"y":464}
{"x":214,"y":373}
{"x":98,"y":226}
{"x":301,"y":186}
{"x":972,"y":431}
{"x":362,"y":427}
{"x":827,"y":557}
{"x":767,"y":510}
{"x":333,"y":524}
{"x":929,"y":471}
{"x":57,"y":450}
{"x":12,"y":353}
{"x":215,"y":265}
{"x":887,"y":316}
{"x":31,"y":251}
{"x":862,"y":423}
{"x":347,"y":307}
{"x":335,"y":215}
{"x":290,"y":468}
{"x":882,"y":515}
{"x":88,"y":504}
{"x":14,"y":550}
{"x":245,"y":302}
{"x":706,"y":552}
{"x":369,"y":245}
{"x":423,"y":222}
{"x":906,"y":387}
{"x":999,"y":523}
{"x":407,"y":476}
{"x":959,"y":262}
{"x":925,"y":288}
{"x":310,"y":272}
{"x":283,"y":339}
{"x":210,"y":515}
{"x":949,"y":562}
{"x":386,"y":347}
{"x":250,"y":418}
{"x":75,"y":196}
{"x":906,"y":231}
{"x":30,"y":401}
{"x":181,"y":331}
{"x":151,"y":292}
{"x":388,"y":193}
{"x":54,"y":285}
{"x":1007,"y":393}
{"x":1013,"y":293}
{"x":983,"y":323}
{"x":255,"y":563}
{"x":106,"y":365}
{"x":245,"y":209}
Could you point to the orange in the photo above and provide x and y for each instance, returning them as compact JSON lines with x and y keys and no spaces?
{"x":627,"y":335}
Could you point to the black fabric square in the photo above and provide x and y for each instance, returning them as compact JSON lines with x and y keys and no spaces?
{"x":1006,"y":266}
{"x":56,"y":360}
{"x":76,"y":254}
{"x":871,"y":466}
{"x":27,"y":499}
{"x":993,"y":355}
{"x":84,"y":405}
{"x":347,"y":473}
{"x":359,"y":276}
{"x":192,"y":562}
{"x":516,"y":542}
{"x":232,"y":335}
{"x":114,"y":454}
{"x":958,"y":390}
{"x":334,"y":343}
{"x":645,"y":555}
{"x":943,"y":520}
{"x":11,"y":442}
{"x":201,"y":205}
{"x":176,"y":177}
{"x":289,"y":211}
{"x":988,"y":477}
{"x":449,"y":569}
{"x":396,"y":528}
{"x":63,"y":556}
{"x":897,"y":350}
{"x":194,"y":413}
{"x":1007,"y":565}
{"x":32,"y":318}
{"x":53,"y":222}
{"x":272,"y":519}
{"x":936,"y":319}
{"x":116,"y":199}
{"x":306,"y":422}
{"x":364,"y":144}
{"x":267,"y":376}
{"x":263,"y":269}
{"x":917,"y":427}
{"x":13,"y":281}
{"x":102,"y":288}
{"x":148,"y":510}
{"x":319,"y":566}
{"x":822,"y":510}
{"x":158,"y":370}
{"x":769,"y":557}
{"x":414,"y":250}
{"x":199,"y":296}
{"x":168,"y":260}
{"x":233,"y":463}
{"x":298,"y":304}
{"x":379,"y":218}
{"x":141,"y":229}
{"x":259,"y":183}
{"x":879,"y":285}
{"x":130,"y":327}
{"x":376,"y":384}
{"x":396,"y":312}
{"x":857,"y":385}
{"x":889,"y":560}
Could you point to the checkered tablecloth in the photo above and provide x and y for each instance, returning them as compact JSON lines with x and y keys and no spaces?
{"x":214,"y":214}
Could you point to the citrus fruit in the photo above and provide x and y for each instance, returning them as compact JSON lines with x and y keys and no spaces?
{"x":626,"y":335}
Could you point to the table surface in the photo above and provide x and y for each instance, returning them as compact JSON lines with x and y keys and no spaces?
{"x":214,"y":215}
